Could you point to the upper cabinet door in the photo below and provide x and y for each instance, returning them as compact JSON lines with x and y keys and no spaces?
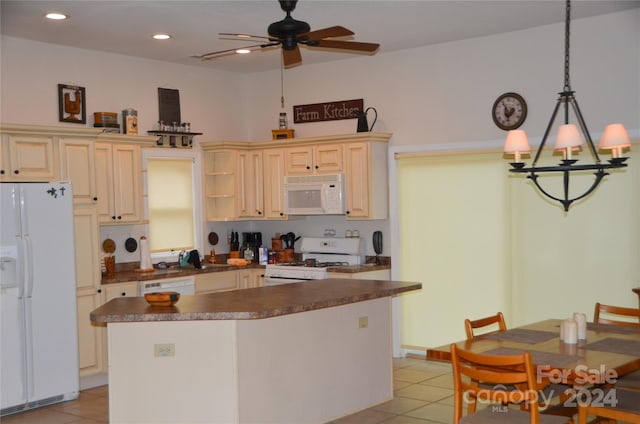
{"x":327,"y":159}
{"x":127,"y":185}
{"x":28,"y":158}
{"x":299,"y":160}
{"x":77,"y":164}
{"x":319,"y":159}
{"x":118,"y":184}
{"x":250,"y":185}
{"x":273,"y":160}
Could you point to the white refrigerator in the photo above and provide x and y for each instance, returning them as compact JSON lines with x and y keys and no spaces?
{"x":39,"y":350}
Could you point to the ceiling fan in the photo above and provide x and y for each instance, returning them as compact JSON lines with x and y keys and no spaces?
{"x":290,"y":33}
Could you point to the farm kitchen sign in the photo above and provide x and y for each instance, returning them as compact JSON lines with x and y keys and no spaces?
{"x":346,"y":109}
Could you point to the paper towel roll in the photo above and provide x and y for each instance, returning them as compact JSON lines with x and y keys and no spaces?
{"x":581,"y":320}
{"x":145,"y":255}
{"x":570,"y":332}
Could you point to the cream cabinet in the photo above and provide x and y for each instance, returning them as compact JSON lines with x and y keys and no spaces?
{"x":77,"y":164}
{"x":273,"y":161}
{"x":26,"y":157}
{"x":89,"y":297}
{"x":250,"y":278}
{"x":118,"y":183}
{"x":366,"y":180}
{"x":250,"y":184}
{"x":318,"y":159}
{"x":112,"y":291}
{"x":246,"y":180}
{"x":213,"y":282}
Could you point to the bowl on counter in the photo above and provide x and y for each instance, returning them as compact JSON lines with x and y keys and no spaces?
{"x":167,"y":298}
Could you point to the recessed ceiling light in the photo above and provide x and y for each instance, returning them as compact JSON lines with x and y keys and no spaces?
{"x":161,"y":36}
{"x":55,"y":16}
{"x":243,"y":51}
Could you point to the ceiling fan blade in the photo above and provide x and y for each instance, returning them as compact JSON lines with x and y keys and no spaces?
{"x":334,"y":31}
{"x":291,"y":57}
{"x":213,"y":55}
{"x":236,"y":36}
{"x":347,"y":45}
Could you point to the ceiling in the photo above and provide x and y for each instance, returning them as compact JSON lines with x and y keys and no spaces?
{"x":125,"y":27}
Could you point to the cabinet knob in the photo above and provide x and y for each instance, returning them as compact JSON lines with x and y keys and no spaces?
{"x":113,"y":217}
{"x":95,"y":199}
{"x":123,"y":294}
{"x":1,"y":171}
{"x":259,"y":212}
{"x":308,"y":167}
{"x":348,"y":212}
{"x":119,"y":217}
{"x":317,"y":167}
{"x":281,"y":214}
{"x":99,"y":290}
{"x":17,"y":171}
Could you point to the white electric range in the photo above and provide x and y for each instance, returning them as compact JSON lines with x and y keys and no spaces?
{"x":318,"y":253}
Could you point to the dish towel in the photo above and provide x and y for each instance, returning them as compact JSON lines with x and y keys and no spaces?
{"x":145,"y":254}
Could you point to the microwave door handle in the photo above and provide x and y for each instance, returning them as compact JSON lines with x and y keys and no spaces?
{"x":324,"y":194}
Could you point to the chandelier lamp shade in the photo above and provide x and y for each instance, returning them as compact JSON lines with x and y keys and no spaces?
{"x":570,"y":139}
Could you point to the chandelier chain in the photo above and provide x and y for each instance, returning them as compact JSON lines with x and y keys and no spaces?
{"x":567,"y":35}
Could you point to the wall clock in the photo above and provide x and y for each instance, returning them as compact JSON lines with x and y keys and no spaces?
{"x":509,"y":111}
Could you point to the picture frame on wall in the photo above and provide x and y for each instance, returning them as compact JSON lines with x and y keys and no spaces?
{"x":72,"y":104}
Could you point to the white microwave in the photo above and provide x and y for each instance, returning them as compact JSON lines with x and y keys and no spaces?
{"x":314,"y":194}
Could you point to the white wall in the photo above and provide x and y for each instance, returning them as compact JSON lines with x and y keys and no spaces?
{"x":31,"y":72}
{"x":443,"y":94}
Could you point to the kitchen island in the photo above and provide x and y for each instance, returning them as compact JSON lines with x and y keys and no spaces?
{"x":296,"y":353}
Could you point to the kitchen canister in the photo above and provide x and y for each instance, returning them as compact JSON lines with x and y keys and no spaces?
{"x":130,"y":121}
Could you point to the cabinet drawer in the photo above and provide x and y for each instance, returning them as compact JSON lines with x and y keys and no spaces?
{"x":216,"y":282}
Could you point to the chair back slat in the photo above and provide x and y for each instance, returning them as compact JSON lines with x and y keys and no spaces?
{"x":631,"y":314}
{"x":473,"y":328}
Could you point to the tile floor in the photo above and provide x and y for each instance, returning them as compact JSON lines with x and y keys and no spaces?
{"x":423,"y":395}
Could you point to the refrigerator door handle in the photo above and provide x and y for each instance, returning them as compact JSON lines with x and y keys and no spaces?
{"x":28,"y":337}
{"x":21,"y":267}
{"x":28,"y":265}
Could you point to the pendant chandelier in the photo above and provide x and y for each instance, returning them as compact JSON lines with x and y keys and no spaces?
{"x":569,"y":140}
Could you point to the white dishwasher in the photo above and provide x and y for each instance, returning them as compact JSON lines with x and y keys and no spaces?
{"x":182,"y":285}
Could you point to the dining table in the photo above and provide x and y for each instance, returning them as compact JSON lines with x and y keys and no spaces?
{"x":609,"y":351}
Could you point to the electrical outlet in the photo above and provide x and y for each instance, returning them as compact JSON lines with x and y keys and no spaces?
{"x":166,"y":349}
{"x":363,"y":322}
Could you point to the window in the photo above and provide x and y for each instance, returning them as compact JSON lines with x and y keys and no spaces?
{"x":172,"y":185}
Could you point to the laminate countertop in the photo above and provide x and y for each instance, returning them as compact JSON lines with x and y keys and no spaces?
{"x":126,"y":274}
{"x":254,"y":303}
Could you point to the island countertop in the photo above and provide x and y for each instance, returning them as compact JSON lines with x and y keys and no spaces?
{"x":255,"y":303}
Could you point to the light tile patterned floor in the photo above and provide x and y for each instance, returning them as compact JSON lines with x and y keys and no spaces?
{"x":423,"y":394}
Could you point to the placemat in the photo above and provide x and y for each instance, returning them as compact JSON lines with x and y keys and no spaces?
{"x":613,"y":345}
{"x":522,"y":335}
{"x":610,"y":328}
{"x":539,"y":358}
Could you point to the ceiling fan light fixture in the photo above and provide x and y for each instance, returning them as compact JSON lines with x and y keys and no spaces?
{"x":55,"y":16}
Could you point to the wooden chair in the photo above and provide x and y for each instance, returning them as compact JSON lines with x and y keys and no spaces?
{"x":632,"y":380}
{"x":470,"y":326}
{"x":626,"y":408}
{"x":505,"y":380}
{"x":616,"y":310}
